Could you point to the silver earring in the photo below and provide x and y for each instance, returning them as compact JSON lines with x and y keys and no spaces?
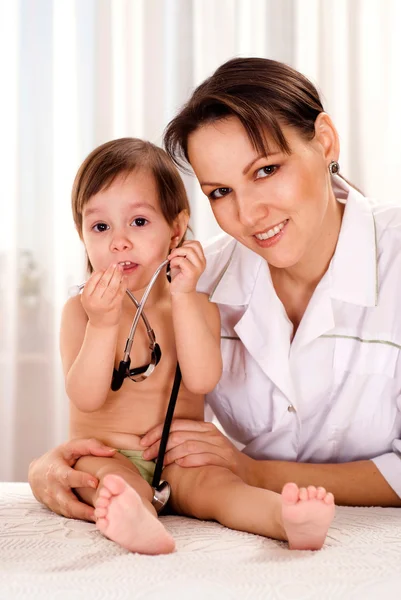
{"x":334,"y":167}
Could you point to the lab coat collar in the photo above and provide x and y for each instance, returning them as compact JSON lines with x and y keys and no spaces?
{"x":353,"y":269}
{"x":236,"y":281}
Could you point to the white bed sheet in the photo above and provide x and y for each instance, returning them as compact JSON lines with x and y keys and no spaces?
{"x":44,"y":556}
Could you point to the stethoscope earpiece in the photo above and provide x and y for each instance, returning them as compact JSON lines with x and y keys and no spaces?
{"x":74,"y":290}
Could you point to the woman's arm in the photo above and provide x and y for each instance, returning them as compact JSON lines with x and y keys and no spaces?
{"x":196,"y":321}
{"x":357,"y":483}
{"x":88,"y":339}
{"x":196,"y":443}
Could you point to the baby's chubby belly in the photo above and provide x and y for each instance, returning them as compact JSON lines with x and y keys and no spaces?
{"x":124,"y":419}
{"x":114,"y":439}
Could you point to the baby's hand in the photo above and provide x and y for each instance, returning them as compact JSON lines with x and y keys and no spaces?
{"x":187,"y":264}
{"x":102,"y":297}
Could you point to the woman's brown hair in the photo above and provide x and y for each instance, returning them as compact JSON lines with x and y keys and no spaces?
{"x":123,"y":156}
{"x":263,"y":94}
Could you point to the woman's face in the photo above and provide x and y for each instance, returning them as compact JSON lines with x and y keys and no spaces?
{"x":282,"y":206}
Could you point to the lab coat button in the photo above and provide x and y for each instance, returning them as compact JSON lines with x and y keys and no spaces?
{"x":291,"y":408}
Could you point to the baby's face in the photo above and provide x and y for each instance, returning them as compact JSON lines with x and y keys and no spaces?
{"x":124,"y":224}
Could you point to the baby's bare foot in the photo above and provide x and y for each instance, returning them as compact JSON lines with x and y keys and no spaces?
{"x":307,"y":514}
{"x":122,"y":517}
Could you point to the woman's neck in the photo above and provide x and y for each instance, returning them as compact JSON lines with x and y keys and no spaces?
{"x":309,"y":271}
{"x":296,"y":285}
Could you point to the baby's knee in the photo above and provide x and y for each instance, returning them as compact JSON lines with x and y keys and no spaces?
{"x":192,"y":487}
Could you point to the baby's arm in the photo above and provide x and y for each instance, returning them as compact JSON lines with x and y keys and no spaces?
{"x":88,"y":339}
{"x":196,"y":321}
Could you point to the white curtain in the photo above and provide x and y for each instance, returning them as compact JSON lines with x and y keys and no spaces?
{"x":75,"y":73}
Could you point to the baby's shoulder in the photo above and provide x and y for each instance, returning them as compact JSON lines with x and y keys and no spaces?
{"x":73,"y":312}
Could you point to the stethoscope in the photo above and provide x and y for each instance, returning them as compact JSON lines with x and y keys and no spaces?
{"x":161,"y":489}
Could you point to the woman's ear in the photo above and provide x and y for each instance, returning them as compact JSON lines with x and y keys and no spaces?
{"x":179,"y":229}
{"x":327,"y":137}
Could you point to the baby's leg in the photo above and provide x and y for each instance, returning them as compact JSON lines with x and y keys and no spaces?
{"x":302,"y":517}
{"x":123,"y":506}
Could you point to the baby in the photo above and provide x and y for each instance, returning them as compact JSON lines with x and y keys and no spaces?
{"x":131,"y":212}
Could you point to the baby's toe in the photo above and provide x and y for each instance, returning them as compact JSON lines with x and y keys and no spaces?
{"x":303,"y":493}
{"x":100,"y":512}
{"x":329,"y":498}
{"x":312,"y":492}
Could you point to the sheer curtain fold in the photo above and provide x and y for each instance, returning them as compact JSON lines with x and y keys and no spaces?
{"x":77,"y":74}
{"x":9,"y":109}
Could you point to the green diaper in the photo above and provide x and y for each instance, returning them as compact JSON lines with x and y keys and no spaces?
{"x":145,"y":467}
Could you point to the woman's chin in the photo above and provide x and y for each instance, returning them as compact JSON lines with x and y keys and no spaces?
{"x":279,"y":260}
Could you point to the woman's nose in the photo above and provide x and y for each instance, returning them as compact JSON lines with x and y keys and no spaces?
{"x":251,"y":210}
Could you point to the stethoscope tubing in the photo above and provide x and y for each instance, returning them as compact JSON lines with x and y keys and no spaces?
{"x":139,"y":310}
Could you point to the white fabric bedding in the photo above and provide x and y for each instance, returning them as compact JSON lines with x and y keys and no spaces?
{"x":46,"y":556}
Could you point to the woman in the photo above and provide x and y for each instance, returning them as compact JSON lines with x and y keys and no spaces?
{"x":307,"y":281}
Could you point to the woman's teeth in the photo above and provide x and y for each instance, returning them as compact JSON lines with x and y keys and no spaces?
{"x":126,"y":263}
{"x":271,"y":232}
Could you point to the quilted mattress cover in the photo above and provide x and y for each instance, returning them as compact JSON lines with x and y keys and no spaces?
{"x":45,"y":556}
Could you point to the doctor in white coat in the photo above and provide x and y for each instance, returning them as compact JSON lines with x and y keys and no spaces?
{"x":308,"y":283}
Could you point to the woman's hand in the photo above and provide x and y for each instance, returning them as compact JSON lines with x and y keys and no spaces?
{"x":52,"y":476}
{"x":196,"y":444}
{"x":187,"y":264}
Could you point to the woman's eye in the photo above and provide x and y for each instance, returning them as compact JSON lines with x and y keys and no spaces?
{"x":100,"y":227}
{"x":219,"y":193}
{"x":139,"y":222}
{"x":266,"y":171}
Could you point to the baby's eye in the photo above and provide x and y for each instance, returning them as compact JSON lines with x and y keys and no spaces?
{"x":266,"y":171}
{"x":219,"y":193}
{"x":139,"y":222}
{"x":100,"y":227}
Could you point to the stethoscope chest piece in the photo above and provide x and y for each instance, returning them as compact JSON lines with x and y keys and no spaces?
{"x":161,"y":494}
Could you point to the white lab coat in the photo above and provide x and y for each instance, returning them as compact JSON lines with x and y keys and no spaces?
{"x":333,"y":394}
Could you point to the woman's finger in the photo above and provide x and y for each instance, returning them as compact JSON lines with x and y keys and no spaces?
{"x":196,"y":448}
{"x":74,"y":449}
{"x":68,"y":505}
{"x":190,"y":438}
{"x":154,"y":434}
{"x":79,"y":479}
{"x":201,"y":460}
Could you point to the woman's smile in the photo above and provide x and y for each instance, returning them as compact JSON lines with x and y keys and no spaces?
{"x":271,"y":236}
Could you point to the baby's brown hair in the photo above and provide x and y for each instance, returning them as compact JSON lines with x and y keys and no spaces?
{"x":123,"y":156}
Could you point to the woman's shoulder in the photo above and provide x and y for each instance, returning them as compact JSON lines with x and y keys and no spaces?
{"x":386,"y":215}
{"x":218,"y":246}
{"x":387,"y":219}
